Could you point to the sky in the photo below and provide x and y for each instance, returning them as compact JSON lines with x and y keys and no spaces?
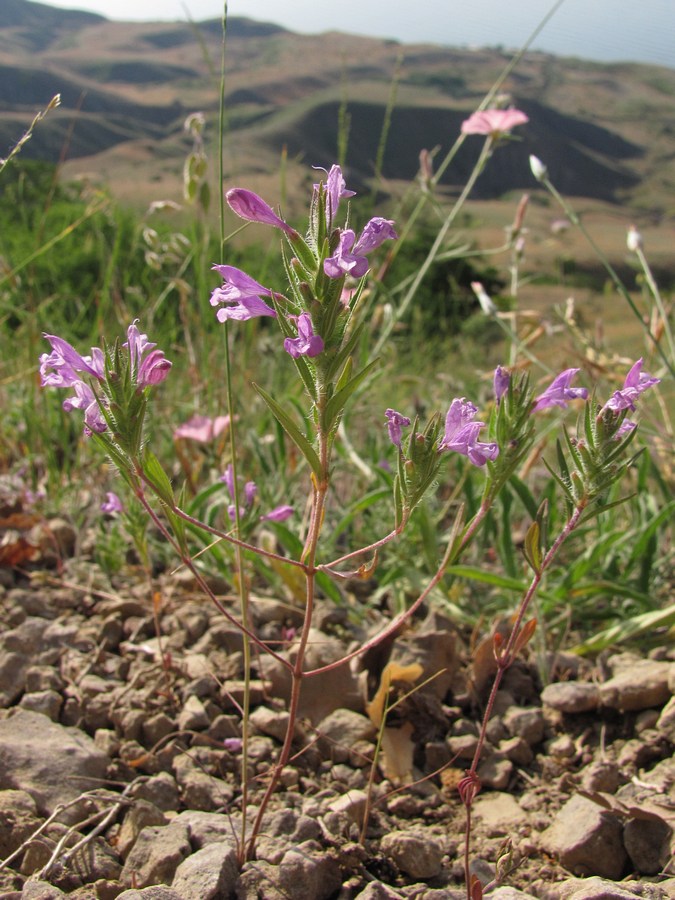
{"x":605,"y":30}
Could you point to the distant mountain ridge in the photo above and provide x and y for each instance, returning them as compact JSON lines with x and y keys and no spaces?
{"x":605,"y":131}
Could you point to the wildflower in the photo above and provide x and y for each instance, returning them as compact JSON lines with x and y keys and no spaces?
{"x":66,"y":363}
{"x":278,"y":514}
{"x":153,"y":369}
{"x":336,"y":189}
{"x":253,"y":208}
{"x":635,"y":383}
{"x":501,"y":382}
{"x":350,"y":255}
{"x":395,"y":421}
{"x":559,"y":392}
{"x":538,"y":168}
{"x":633,"y":239}
{"x":112,"y":504}
{"x":461,"y":434}
{"x":233,"y":744}
{"x":307,"y":343}
{"x":486,"y":303}
{"x":243,"y":292}
{"x":494,"y":122}
{"x":85,"y":399}
{"x":202,"y":429}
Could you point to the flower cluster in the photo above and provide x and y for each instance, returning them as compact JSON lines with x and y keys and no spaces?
{"x":332,"y":251}
{"x":278,"y":514}
{"x":64,"y":367}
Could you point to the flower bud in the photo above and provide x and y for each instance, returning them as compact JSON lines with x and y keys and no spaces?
{"x":538,"y":168}
{"x":633,"y":239}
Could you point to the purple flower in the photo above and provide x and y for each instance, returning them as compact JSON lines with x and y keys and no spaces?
{"x":138,"y":344}
{"x":153,"y":369}
{"x":233,"y":744}
{"x":624,"y":428}
{"x":635,"y":383}
{"x":493,"y":122}
{"x":112,"y":504}
{"x":501,"y":381}
{"x":336,"y":189}
{"x":243,"y":292}
{"x":228,"y":479}
{"x":307,"y":343}
{"x":253,"y":208}
{"x":395,"y":421}
{"x":66,"y":362}
{"x":559,"y":392}
{"x":85,"y":399}
{"x":278,"y":514}
{"x":461,"y":434}
{"x":350,"y":255}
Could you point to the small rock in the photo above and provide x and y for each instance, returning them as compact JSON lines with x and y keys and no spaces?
{"x":46,"y":702}
{"x":352,"y":805}
{"x":587,"y":840}
{"x":160,"y":789}
{"x":156,"y":855}
{"x":495,"y":773}
{"x":155,"y":892}
{"x":526,"y":723}
{"x":54,"y":764}
{"x":415,"y":854}
{"x":34,"y":889}
{"x":209,"y":874}
{"x":155,"y":728}
{"x":598,"y":889}
{"x":601,"y":775}
{"x":308,"y":871}
{"x":193,"y":716}
{"x":341,"y":730}
{"x":517,"y":750}
{"x":500,"y":813}
{"x":140,"y":816}
{"x":647,"y":842}
{"x":639,"y":686}
{"x":665,"y":724}
{"x":571,"y":696}
{"x":273,"y":723}
{"x":18,"y":820}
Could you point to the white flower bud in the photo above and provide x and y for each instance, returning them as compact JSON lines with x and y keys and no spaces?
{"x":538,"y":168}
{"x":633,"y":239}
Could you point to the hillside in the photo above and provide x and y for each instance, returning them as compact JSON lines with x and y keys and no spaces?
{"x":605,"y":131}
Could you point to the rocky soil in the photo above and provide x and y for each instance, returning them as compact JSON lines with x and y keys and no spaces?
{"x":120,"y":755}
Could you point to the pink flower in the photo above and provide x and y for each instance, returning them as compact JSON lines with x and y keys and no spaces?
{"x":461,"y":434}
{"x":112,"y":504}
{"x":202,"y":429}
{"x":244,"y":294}
{"x":395,"y":421}
{"x":494,"y":122}
{"x":278,"y":514}
{"x":307,"y":343}
{"x":635,"y":383}
{"x":253,"y":208}
{"x":559,"y":392}
{"x":350,"y":254}
{"x":501,"y":382}
{"x":336,"y":189}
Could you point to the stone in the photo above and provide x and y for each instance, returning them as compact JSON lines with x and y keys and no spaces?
{"x":352,"y":805}
{"x":376,"y":890}
{"x":571,"y":696}
{"x":18,"y":820}
{"x":638,"y":686}
{"x":527,"y":723}
{"x":495,"y":773}
{"x":341,"y":730}
{"x":209,"y":874}
{"x":34,"y":889}
{"x":160,"y":789}
{"x":156,"y":855}
{"x":271,"y":722}
{"x":665,"y":724}
{"x":500,"y":813}
{"x":647,"y":842}
{"x":46,"y":702}
{"x":283,"y":831}
{"x":587,"y":840}
{"x":597,"y":888}
{"x":206,"y":828}
{"x":415,"y":854}
{"x":13,"y":667}
{"x":140,"y":816}
{"x":193,"y":716}
{"x":53,"y":763}
{"x":308,"y":871}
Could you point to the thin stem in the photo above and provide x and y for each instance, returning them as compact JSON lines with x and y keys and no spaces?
{"x":505,"y":659}
{"x":609,"y":268}
{"x":658,"y":300}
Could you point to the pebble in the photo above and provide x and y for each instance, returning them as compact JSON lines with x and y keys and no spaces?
{"x":415,"y":854}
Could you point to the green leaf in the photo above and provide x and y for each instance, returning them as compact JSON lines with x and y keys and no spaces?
{"x":476,"y":574}
{"x":532,"y":547}
{"x":293,"y":432}
{"x":158,"y":478}
{"x":337,"y":402}
{"x":627,"y":630}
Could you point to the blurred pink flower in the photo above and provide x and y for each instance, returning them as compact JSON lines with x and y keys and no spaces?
{"x":202,"y":429}
{"x":494,"y":122}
